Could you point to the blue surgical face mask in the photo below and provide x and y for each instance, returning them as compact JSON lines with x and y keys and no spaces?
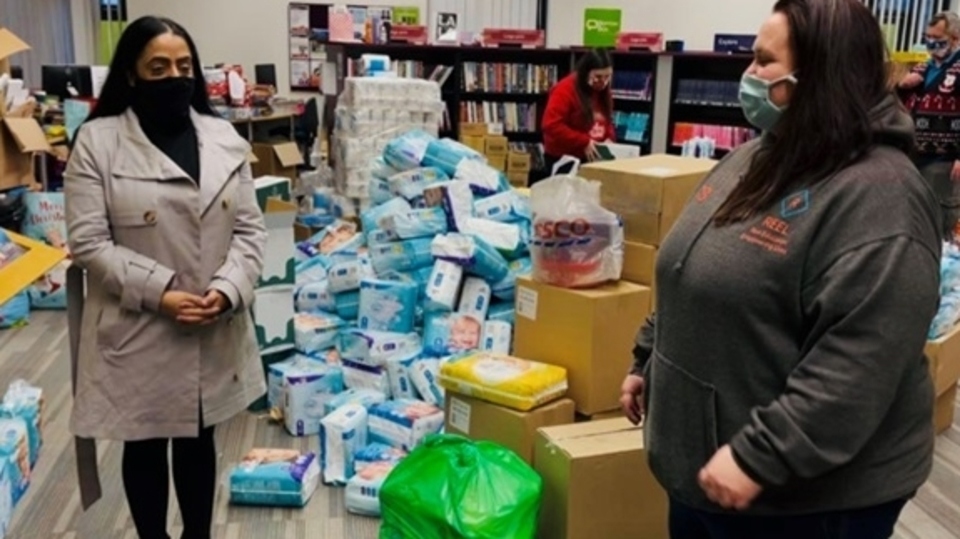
{"x":756,"y":103}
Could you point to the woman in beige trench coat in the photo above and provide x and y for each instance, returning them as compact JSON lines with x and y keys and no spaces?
{"x":162,"y":215}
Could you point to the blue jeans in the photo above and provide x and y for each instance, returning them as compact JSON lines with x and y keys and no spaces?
{"x":871,"y":523}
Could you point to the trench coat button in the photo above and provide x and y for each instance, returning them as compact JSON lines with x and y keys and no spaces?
{"x":226,"y":204}
{"x":236,"y":377}
{"x":150,"y":217}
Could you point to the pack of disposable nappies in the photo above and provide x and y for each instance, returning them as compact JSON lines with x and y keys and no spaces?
{"x":425,"y":374}
{"x":306,"y":388}
{"x":404,"y":423}
{"x":443,"y":288}
{"x":388,"y":305}
{"x":316,"y":332}
{"x":506,"y":288}
{"x":418,"y":223}
{"x":449,"y":334}
{"x":475,"y":255}
{"x":456,"y":199}
{"x":507,"y":238}
{"x":411,"y":184}
{"x":363,"y":397}
{"x":6,"y":500}
{"x":375,"y":453}
{"x":276,"y":377}
{"x":347,"y":304}
{"x":275,"y":478}
{"x":406,"y":255}
{"x":398,"y":371}
{"x":312,"y":269}
{"x":360,"y":376}
{"x":475,"y":299}
{"x":345,"y":275}
{"x":340,"y":236}
{"x":374,"y":347}
{"x":378,"y":236}
{"x":447,"y":155}
{"x":497,"y":337}
{"x":362,"y":495}
{"x":501,"y":379}
{"x":373,"y":217}
{"x":502,"y":312}
{"x":379,"y":190}
{"x":506,"y":207}
{"x":342,"y":434}
{"x":315,"y":296}
{"x":483,"y":179}
{"x":381,"y":170}
{"x":408,"y":150}
{"x":15,"y":454}
{"x":25,"y":401}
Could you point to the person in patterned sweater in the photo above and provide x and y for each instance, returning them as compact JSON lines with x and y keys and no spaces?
{"x":931,"y":91}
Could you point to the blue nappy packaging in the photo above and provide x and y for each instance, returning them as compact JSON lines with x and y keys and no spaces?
{"x":316,"y":332}
{"x":388,"y":306}
{"x":338,"y":237}
{"x":475,"y":298}
{"x":348,"y":304}
{"x":443,"y":286}
{"x":473,"y":253}
{"x":362,"y":376}
{"x":363,"y":397}
{"x":381,"y":170}
{"x":314,"y":296}
{"x":374,"y":453}
{"x":456,"y":200}
{"x":275,"y":478}
{"x":398,"y":372}
{"x":497,"y":337}
{"x":450,"y":334}
{"x":412,"y":183}
{"x":506,"y":288}
{"x":25,"y":401}
{"x":372,"y":218}
{"x":502,"y":312}
{"x":408,"y":150}
{"x":425,"y":375}
{"x":403,"y":423}
{"x":380,"y":191}
{"x":506,"y":207}
{"x":15,"y":455}
{"x":312,"y":269}
{"x":374,"y":347}
{"x":306,"y":390}
{"x":345,"y":275}
{"x":507,"y":238}
{"x":276,"y":376}
{"x":483,"y":179}
{"x":378,"y":236}
{"x":342,"y":434}
{"x":362,"y":495}
{"x":418,"y":223}
{"x":448,"y":155}
{"x":402,"y":256}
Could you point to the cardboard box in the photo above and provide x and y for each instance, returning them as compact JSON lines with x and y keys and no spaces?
{"x":279,"y":264}
{"x":596,"y":483}
{"x":602,"y":416}
{"x":473,"y":142}
{"x":474,"y":130}
{"x":496,"y":146}
{"x":648,"y":192}
{"x":518,"y":162}
{"x":518,"y":179}
{"x":480,"y":420}
{"x":10,"y":44}
{"x":277,"y":159}
{"x":589,"y":332}
{"x":38,"y":259}
{"x":20,"y":134}
{"x":498,"y":162}
{"x":944,"y":410}
{"x":639,"y":263}
{"x":944,"y":356}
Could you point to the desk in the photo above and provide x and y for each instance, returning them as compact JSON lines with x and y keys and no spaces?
{"x":287,"y":114}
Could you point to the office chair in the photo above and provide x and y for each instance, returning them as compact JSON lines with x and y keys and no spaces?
{"x":306,"y":128}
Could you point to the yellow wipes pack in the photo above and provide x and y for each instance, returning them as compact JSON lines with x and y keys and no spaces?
{"x":515,"y":383}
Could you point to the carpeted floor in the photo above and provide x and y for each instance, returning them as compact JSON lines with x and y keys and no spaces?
{"x":51,"y":510}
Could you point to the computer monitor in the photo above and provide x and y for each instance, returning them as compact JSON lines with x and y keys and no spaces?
{"x":59,"y":80}
{"x":266,"y":74}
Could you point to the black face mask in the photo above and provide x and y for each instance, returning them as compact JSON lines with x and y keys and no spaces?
{"x":164,"y":102}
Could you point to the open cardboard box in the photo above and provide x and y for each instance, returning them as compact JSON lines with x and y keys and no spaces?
{"x":38,"y":259}
{"x":20,"y":134}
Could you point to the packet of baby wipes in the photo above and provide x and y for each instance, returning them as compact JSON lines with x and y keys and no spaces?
{"x":508,"y":238}
{"x":404,"y":423}
{"x":274,"y":478}
{"x":475,"y":255}
{"x":425,"y":374}
{"x":420,"y":223}
{"x":316,"y":332}
{"x":508,"y":381}
{"x":408,"y":150}
{"x":342,"y":434}
{"x":506,"y":207}
{"x":399,"y":373}
{"x":345,"y":275}
{"x":411,"y":184}
{"x":362,"y":495}
{"x":347,"y":305}
{"x":502,"y":312}
{"x":475,"y":299}
{"x":372,"y":218}
{"x":363,"y":397}
{"x":314,"y":296}
{"x":307,"y":388}
{"x":497,"y":337}
{"x":374,"y":347}
{"x":449,"y":334}
{"x":360,"y":376}
{"x":402,"y":256}
{"x":456,"y":200}
{"x":443,"y":287}
{"x":506,"y":288}
{"x":388,"y":305}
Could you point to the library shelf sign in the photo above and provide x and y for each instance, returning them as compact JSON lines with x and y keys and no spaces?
{"x":640,"y":41}
{"x":601,"y":26}
{"x":507,"y":37}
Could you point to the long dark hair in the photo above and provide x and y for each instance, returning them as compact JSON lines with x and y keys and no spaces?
{"x":117,"y":94}
{"x":840,"y":61}
{"x":593,"y":59}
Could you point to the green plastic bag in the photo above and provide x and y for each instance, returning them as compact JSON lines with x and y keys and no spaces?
{"x":454,"y":488}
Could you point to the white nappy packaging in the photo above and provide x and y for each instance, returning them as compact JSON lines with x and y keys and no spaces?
{"x":379,"y":190}
{"x":276,"y":375}
{"x":456,"y":199}
{"x":450,"y":334}
{"x":502,"y":312}
{"x":363,"y":397}
{"x":475,"y":299}
{"x":347,"y":304}
{"x":473,"y":253}
{"x":275,"y":478}
{"x":338,"y":237}
{"x":378,"y":236}
{"x":375,"y":453}
{"x":372,"y":218}
{"x":407,"y":151}
{"x":406,"y":255}
{"x":345,"y":275}
{"x":506,"y":207}
{"x":425,"y":375}
{"x":388,"y":305}
{"x":312,"y":269}
{"x":342,"y":434}
{"x":360,"y":376}
{"x":447,"y":154}
{"x":375,"y":347}
{"x":362,"y":495}
{"x":306,"y":389}
{"x":411,"y":184}
{"x":316,"y":332}
{"x":381,"y":170}
{"x":497,"y":337}
{"x":416,"y":223}
{"x":443,"y":287}
{"x":404,"y":423}
{"x":314,"y":296}
{"x":483,"y":179}
{"x":508,"y":238}
{"x":506,"y":288}
{"x":398,"y":372}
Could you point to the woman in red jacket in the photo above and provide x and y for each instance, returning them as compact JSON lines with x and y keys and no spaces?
{"x":579,"y":111}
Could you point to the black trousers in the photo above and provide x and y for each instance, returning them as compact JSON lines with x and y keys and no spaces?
{"x":146,"y":480}
{"x":871,"y":523}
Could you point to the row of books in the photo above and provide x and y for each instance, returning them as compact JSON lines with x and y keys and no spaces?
{"x":515,"y":117}
{"x":724,"y":137}
{"x":632,"y":127}
{"x":715,"y":93}
{"x":508,"y":78}
{"x":633,"y":85}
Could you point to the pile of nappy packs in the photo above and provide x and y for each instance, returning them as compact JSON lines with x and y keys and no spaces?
{"x":21,"y":437}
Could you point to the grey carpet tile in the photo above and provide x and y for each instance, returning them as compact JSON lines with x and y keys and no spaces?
{"x":51,"y":509}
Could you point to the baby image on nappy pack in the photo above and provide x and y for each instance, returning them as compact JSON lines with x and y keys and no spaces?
{"x":274,"y":478}
{"x":450,"y":334}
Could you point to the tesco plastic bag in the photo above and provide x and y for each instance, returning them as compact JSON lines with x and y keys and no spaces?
{"x":453,"y":487}
{"x":576,"y":242}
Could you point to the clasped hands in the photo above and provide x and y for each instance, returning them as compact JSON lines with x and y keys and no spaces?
{"x":193,"y":310}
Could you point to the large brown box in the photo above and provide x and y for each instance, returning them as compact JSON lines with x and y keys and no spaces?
{"x":596,"y":483}
{"x":648,"y":193}
{"x":496,"y":145}
{"x":277,"y":159}
{"x":518,"y":162}
{"x":589,"y":332}
{"x":944,"y":409}
{"x":20,"y":134}
{"x":474,"y":130}
{"x":944,"y":356}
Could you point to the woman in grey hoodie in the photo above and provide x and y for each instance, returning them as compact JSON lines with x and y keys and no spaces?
{"x":783,"y":380}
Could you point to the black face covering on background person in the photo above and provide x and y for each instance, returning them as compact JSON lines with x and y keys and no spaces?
{"x":163,"y":108}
